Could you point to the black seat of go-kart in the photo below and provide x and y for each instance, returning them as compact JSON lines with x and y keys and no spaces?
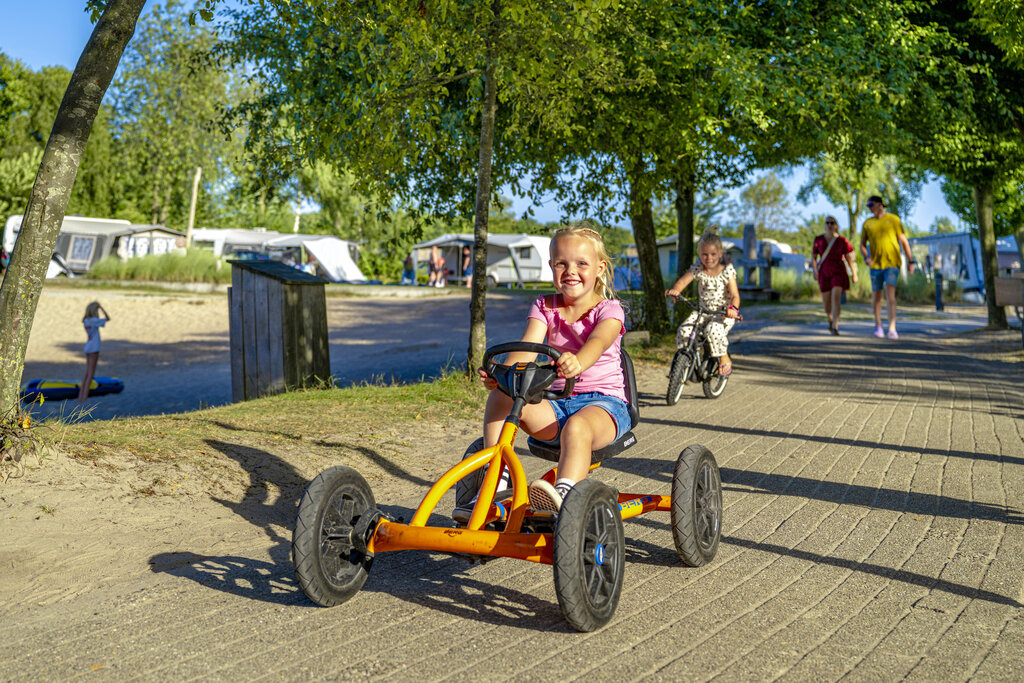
{"x":551,"y":451}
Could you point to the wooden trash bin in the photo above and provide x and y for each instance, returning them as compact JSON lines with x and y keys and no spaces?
{"x":278,"y":329}
{"x":1010,"y":292}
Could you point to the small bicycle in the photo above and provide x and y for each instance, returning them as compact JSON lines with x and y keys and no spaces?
{"x":339,"y":528}
{"x":693,"y":360}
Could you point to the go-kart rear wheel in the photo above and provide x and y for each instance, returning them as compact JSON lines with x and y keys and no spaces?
{"x":589,"y":555}
{"x":328,"y":552}
{"x":696,"y":506}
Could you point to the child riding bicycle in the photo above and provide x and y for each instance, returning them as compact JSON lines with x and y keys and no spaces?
{"x":716,"y":284}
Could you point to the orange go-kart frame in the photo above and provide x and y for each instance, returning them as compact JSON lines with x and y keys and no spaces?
{"x":475,"y":539}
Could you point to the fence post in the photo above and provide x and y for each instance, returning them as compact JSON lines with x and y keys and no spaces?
{"x":938,"y":291}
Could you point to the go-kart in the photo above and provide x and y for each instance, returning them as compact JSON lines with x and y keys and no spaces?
{"x":339,"y":529}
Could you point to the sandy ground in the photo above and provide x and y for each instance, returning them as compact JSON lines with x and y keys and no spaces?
{"x":171,"y":350}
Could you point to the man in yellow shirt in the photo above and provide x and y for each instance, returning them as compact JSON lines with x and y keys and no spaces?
{"x":880,"y":241}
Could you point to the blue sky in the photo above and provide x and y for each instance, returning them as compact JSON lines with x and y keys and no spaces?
{"x":53,"y":32}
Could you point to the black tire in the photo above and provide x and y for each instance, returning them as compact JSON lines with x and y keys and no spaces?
{"x":492,"y":282}
{"x":678,"y":374}
{"x":589,"y":555}
{"x":330,"y":563}
{"x":467,"y":488}
{"x":696,"y":506}
{"x":714,"y":387}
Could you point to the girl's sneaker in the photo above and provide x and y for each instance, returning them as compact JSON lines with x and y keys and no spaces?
{"x":544,"y":496}
{"x":879,"y":332}
{"x":462,"y":513}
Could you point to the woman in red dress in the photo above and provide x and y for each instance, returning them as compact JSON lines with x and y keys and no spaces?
{"x":827,"y":257}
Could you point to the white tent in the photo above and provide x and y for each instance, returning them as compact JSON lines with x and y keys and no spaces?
{"x":335,"y":258}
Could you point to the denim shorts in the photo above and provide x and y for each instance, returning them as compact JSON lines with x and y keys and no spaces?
{"x":880,"y":277}
{"x":567,"y":407}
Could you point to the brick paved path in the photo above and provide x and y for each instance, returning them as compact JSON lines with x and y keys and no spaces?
{"x":873,"y":529}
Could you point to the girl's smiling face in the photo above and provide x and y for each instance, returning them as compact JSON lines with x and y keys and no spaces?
{"x":710,"y":256}
{"x":576,"y":266}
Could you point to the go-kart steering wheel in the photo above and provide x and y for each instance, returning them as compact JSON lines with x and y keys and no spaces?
{"x":527,"y":380}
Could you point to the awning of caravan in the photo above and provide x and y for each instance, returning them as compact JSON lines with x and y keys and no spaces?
{"x":335,"y":259}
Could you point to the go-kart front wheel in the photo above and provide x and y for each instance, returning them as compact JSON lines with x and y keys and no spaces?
{"x":589,"y":555}
{"x":696,"y":506}
{"x":328,"y":550}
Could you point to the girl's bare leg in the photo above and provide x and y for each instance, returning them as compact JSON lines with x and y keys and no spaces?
{"x":90,"y":370}
{"x":826,"y":298}
{"x":537,"y":419}
{"x":586,"y":431}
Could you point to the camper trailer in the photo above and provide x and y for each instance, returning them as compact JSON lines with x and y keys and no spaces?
{"x":957,"y":257}
{"x":782,"y":254}
{"x":83,"y":242}
{"x":511,"y":259}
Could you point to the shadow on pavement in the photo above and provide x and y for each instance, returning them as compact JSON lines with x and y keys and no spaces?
{"x":868,"y":496}
{"x":840,"y":441}
{"x":642,"y":552}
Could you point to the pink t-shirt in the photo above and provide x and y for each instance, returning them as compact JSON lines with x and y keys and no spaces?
{"x":604,"y":376}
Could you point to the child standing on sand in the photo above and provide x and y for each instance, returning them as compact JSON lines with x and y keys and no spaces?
{"x":92,"y":323}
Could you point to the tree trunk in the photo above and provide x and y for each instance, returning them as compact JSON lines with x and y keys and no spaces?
{"x":642,"y":219}
{"x":478,"y":300}
{"x":192,"y":207}
{"x":851,"y":216}
{"x":19,"y":294}
{"x":685,"y":202}
{"x":989,"y":260}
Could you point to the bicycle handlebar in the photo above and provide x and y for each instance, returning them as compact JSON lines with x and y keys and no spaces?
{"x":698,"y":306}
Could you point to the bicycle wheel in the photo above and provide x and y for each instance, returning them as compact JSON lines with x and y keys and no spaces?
{"x":678,"y":374}
{"x":714,"y":386}
{"x":329,"y":557}
{"x":696,"y":506}
{"x":589,"y":555}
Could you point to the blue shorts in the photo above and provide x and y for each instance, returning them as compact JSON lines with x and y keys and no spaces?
{"x":567,"y":407}
{"x":880,"y":277}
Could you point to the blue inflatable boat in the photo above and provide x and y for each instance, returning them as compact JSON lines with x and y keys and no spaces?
{"x":61,"y":390}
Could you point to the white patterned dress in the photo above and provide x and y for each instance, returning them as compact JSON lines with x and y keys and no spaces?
{"x":714,"y":294}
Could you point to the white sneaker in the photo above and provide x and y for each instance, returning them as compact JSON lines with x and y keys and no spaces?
{"x":544,"y":496}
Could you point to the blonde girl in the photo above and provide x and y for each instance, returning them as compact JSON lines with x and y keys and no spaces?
{"x":92,"y":323}
{"x":584,"y":321}
{"x":716,"y":284}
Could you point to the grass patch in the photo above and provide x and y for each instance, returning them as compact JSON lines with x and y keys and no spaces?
{"x":196,"y":265}
{"x":316,"y":415}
